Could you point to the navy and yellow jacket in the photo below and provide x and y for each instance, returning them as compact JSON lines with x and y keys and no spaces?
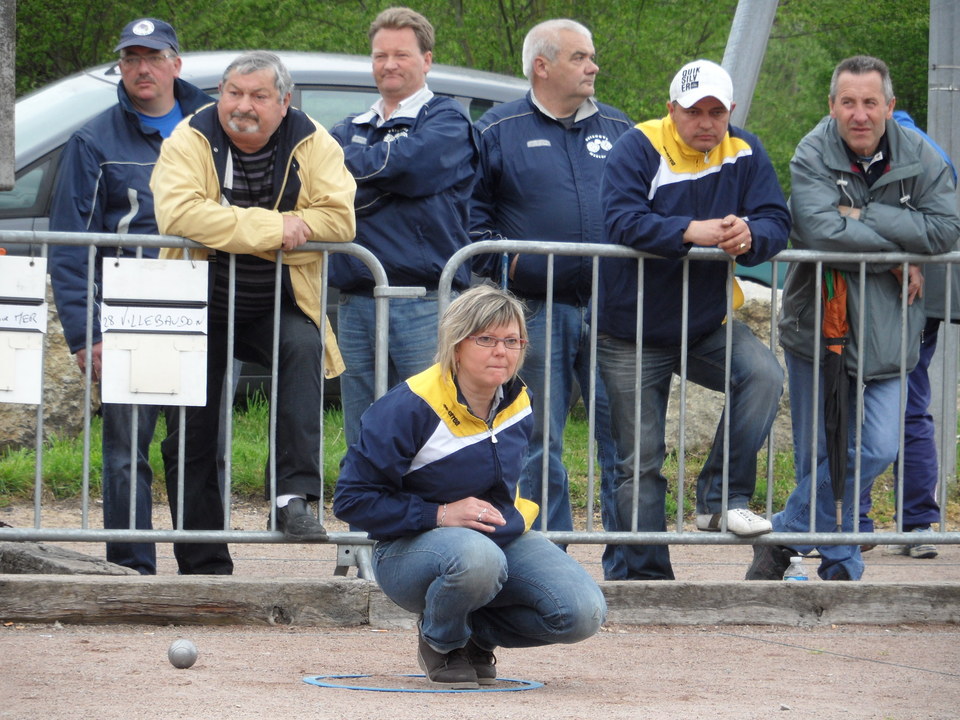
{"x":653,"y":186}
{"x":421,"y":447}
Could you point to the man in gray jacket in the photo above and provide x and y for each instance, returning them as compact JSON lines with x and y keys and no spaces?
{"x":860,"y":184}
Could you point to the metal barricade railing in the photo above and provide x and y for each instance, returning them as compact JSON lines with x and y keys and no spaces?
{"x":818,"y":536}
{"x":356,"y":544}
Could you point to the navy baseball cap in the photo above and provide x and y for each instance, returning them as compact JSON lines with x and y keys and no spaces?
{"x":150,"y":33}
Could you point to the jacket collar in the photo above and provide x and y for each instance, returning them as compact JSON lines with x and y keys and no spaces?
{"x":408,"y":108}
{"x":680,"y":157}
{"x":587,"y":108}
{"x":294,"y":129}
{"x":903,"y":148}
{"x":190,"y":97}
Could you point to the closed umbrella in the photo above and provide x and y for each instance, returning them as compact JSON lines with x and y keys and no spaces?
{"x":836,"y":383}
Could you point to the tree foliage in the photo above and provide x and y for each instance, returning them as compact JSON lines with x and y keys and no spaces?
{"x":640,"y":43}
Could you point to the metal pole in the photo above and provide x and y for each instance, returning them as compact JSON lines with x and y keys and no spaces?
{"x":8,"y":47}
{"x":745,"y":49}
{"x":943,"y":107}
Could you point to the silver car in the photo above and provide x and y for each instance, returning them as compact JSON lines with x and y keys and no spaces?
{"x":328,"y":87}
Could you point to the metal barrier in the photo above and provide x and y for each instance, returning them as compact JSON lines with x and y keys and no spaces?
{"x":355,"y":546}
{"x":678,"y":535}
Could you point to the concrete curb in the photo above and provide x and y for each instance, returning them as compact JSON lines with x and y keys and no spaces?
{"x":339,"y":602}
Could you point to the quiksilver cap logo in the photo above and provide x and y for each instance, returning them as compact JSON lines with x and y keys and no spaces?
{"x":690,"y":79}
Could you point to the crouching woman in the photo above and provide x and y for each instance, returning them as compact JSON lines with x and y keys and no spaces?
{"x":433,"y":479}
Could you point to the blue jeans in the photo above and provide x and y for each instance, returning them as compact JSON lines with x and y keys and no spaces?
{"x":526,"y":594}
{"x":881,"y":405}
{"x":756,"y":383}
{"x":412,"y":344}
{"x":117,"y":442}
{"x":920,"y":506}
{"x":569,"y":362}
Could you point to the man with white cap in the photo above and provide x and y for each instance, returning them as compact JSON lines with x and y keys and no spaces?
{"x":684,"y":180}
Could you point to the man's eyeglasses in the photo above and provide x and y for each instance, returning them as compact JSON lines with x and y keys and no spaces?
{"x":131,"y":61}
{"x":489,"y":341}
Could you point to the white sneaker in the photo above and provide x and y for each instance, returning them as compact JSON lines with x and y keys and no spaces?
{"x":922,"y":551}
{"x":740,"y":521}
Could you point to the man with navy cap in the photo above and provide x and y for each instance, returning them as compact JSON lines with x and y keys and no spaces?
{"x":688,"y":179}
{"x":104,"y":186}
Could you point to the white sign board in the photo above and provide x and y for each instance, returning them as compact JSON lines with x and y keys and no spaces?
{"x":154,"y":324}
{"x":23,"y":323}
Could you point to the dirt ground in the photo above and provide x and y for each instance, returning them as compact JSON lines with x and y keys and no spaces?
{"x":56,"y":671}
{"x":747,"y":673}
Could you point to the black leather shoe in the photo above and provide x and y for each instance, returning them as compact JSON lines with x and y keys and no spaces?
{"x":484,"y":663}
{"x":297,"y":522}
{"x":451,"y":670}
{"x":769,"y":562}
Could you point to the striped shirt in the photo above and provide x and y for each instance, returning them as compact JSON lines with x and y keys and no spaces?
{"x":252,"y":186}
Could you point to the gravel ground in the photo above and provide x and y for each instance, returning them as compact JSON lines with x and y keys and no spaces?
{"x":743,"y":672}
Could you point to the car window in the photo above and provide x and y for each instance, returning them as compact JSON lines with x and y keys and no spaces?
{"x":329,"y":106}
{"x":25,"y":199}
{"x":478,"y":107}
{"x":42,"y":115}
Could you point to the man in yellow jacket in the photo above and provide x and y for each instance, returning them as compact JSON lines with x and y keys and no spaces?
{"x":246,"y":177}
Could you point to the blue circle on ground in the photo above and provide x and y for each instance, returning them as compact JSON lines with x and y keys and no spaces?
{"x":334,"y":681}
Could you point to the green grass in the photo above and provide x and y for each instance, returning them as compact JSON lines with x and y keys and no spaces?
{"x":63,"y":458}
{"x":63,"y":466}
{"x":575,"y":459}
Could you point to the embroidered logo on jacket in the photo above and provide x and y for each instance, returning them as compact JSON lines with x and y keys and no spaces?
{"x":598,"y":146}
{"x":395,"y":133}
{"x":451,"y":414}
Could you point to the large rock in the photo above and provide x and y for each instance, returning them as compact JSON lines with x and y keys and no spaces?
{"x":704,"y":407}
{"x":62,"y":394}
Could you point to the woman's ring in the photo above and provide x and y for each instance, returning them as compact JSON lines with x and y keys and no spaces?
{"x":480,"y":516}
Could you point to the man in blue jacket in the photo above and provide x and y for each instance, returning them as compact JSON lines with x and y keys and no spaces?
{"x":688,"y":179}
{"x":414,"y":158}
{"x":103,"y":186}
{"x":541,"y":159}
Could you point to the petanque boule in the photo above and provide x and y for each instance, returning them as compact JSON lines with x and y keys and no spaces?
{"x":182,"y":653}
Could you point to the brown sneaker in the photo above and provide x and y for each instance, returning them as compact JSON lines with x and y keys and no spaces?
{"x":484,"y":663}
{"x":451,"y":670}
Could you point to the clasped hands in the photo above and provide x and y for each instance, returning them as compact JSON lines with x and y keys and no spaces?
{"x":731,"y":234}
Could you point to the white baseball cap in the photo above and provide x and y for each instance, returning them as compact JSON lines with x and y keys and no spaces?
{"x":699,"y":79}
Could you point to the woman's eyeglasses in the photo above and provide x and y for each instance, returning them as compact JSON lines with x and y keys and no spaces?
{"x":489,"y":341}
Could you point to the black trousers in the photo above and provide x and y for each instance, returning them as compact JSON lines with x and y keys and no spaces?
{"x":299,"y":423}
